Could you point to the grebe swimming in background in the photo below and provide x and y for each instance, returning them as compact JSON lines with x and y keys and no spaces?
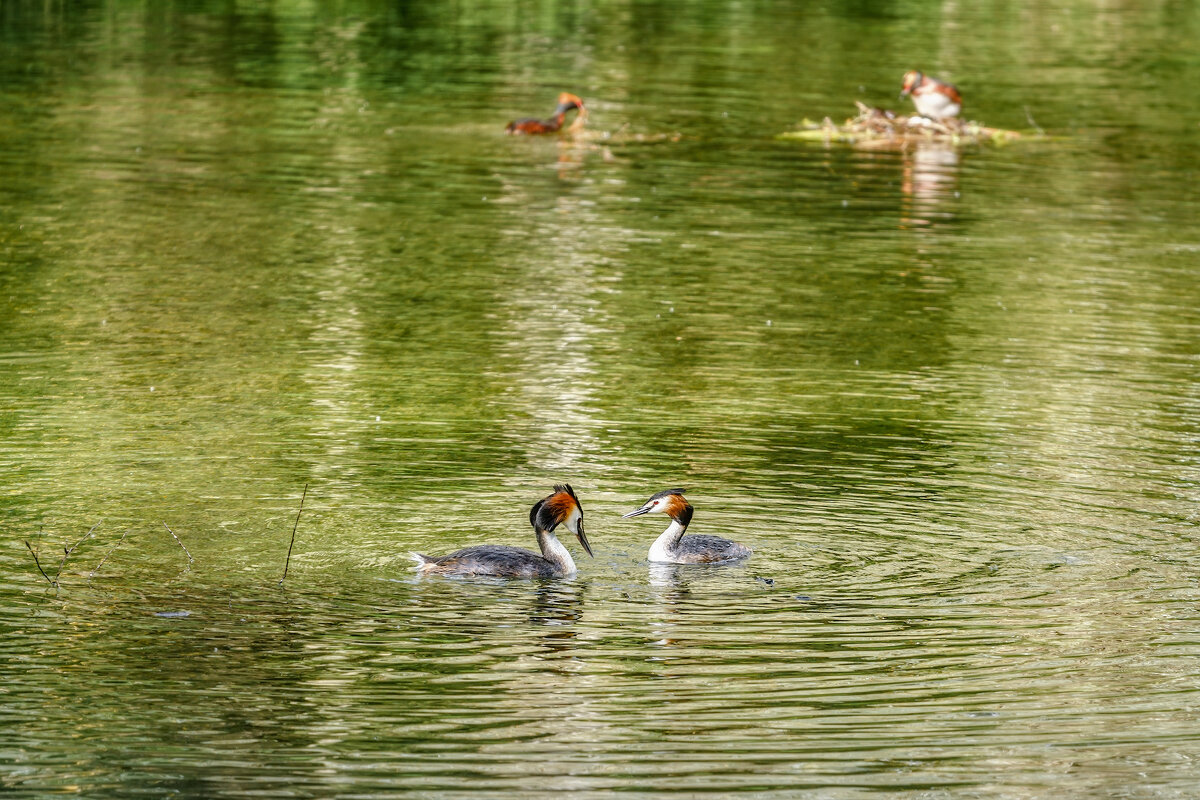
{"x":673,"y":547}
{"x":566,"y":102}
{"x":933,"y":98}
{"x":502,"y":561}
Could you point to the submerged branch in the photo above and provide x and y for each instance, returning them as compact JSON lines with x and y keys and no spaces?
{"x":67,"y":551}
{"x":181,"y":544}
{"x":33,"y":553}
{"x":92,"y":574}
{"x":293,"y":542}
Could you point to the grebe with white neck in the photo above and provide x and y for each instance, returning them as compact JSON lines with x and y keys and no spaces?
{"x":501,"y":561}
{"x":673,"y":547}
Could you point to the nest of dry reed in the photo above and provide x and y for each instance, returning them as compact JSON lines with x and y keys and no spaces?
{"x":878,"y":127}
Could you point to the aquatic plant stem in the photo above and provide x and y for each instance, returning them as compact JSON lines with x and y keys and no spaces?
{"x":39,"y":564}
{"x":293,"y":542}
{"x":1032,"y":124}
{"x":67,"y":551}
{"x":181,"y":544}
{"x":92,"y":574}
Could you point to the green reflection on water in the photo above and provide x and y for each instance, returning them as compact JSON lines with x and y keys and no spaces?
{"x":947,"y":396}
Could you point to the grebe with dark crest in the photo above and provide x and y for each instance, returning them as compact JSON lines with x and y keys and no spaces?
{"x":566,"y":102}
{"x":673,"y":547}
{"x":501,"y":561}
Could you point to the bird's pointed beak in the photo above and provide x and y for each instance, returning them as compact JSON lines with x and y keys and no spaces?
{"x":638,"y":513}
{"x":583,"y":539}
{"x":903,"y":94}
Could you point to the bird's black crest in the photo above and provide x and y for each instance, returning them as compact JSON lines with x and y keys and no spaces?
{"x":542,"y":517}
{"x":536,"y":512}
{"x":666,"y":493}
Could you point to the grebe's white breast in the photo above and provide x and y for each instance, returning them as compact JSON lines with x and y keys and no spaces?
{"x":935,"y":105}
{"x":664,"y":546}
{"x":556,"y":551}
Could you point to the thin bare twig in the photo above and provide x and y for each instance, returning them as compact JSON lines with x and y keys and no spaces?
{"x":67,"y":552}
{"x":181,"y":544}
{"x":39,"y":564}
{"x":1034,"y":125}
{"x":92,"y":574}
{"x":290,"y":544}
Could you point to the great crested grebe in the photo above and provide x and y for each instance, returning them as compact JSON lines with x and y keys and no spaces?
{"x":673,"y":547}
{"x":502,"y":561}
{"x":566,"y":102}
{"x":933,"y":98}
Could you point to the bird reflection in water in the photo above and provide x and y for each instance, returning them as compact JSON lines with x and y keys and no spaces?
{"x":671,"y":585}
{"x":667,"y":576}
{"x":929,"y":177}
{"x":559,"y":608}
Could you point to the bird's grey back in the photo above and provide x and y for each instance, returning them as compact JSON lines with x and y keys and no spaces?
{"x":703,"y":549}
{"x":492,"y":559}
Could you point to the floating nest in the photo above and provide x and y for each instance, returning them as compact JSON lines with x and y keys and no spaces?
{"x":878,"y":127}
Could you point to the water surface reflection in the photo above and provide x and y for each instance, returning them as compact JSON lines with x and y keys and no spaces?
{"x":930,"y":177}
{"x":948,"y":397}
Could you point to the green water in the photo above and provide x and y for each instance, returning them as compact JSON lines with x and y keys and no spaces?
{"x":951,"y":399}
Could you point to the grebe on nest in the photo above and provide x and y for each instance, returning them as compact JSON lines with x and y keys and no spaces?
{"x":502,"y":561}
{"x":566,"y":102}
{"x":672,"y":547}
{"x":933,"y":98}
